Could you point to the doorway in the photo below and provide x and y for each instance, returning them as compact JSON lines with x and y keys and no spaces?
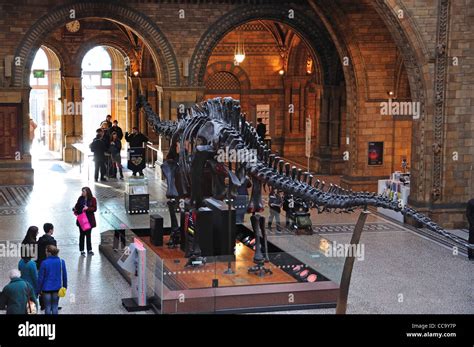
{"x":45,"y":106}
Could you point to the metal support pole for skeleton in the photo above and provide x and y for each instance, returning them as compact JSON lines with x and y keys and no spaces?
{"x":349,"y":264}
{"x":229,"y":270}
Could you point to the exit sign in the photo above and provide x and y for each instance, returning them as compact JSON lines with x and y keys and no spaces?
{"x":106,"y":73}
{"x":38,"y":73}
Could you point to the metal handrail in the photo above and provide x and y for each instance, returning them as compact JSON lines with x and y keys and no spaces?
{"x":151,"y":149}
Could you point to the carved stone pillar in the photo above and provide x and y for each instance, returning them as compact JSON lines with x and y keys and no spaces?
{"x":71,"y":116}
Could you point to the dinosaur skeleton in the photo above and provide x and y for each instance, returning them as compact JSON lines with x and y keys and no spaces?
{"x":218,"y":124}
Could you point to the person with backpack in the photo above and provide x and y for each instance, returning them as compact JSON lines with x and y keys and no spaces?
{"x":17,"y":295}
{"x":52,"y":279}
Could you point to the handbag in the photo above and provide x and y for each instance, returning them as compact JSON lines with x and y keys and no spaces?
{"x":30,"y":304}
{"x":62,"y":290}
{"x":84,"y":221}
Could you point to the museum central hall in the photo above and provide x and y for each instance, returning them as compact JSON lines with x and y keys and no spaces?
{"x":359,"y":114}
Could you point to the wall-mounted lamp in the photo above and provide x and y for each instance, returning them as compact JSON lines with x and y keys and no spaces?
{"x":135,"y":73}
{"x":309,"y":65}
{"x":281,"y":72}
{"x":391,"y":93}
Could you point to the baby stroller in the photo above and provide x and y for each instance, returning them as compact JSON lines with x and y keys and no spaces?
{"x":299,"y":218}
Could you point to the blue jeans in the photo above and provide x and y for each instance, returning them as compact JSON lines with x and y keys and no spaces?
{"x":51,"y":302}
{"x":274,"y":214}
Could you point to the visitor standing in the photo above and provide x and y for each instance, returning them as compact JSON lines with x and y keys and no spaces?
{"x":136,"y":140}
{"x":44,"y":241}
{"x":105,"y":132}
{"x":115,"y":148}
{"x":29,"y":245}
{"x":29,"y":273}
{"x":108,"y":120}
{"x":99,"y":147}
{"x":52,"y":277}
{"x":117,"y":129}
{"x":274,"y":202}
{"x":86,"y":203}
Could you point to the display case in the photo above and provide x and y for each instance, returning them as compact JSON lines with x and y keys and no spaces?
{"x":301,"y":273}
{"x":397,"y":188}
{"x":137,"y":199}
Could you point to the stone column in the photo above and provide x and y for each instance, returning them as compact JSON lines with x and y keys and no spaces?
{"x":71,"y":116}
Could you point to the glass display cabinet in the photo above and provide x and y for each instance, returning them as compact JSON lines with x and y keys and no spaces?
{"x":137,"y":199}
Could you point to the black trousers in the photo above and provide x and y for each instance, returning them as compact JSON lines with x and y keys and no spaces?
{"x":99,"y":165}
{"x":87,"y":236}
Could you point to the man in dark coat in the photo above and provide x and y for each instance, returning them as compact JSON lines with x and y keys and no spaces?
{"x":136,"y":162}
{"x":44,"y":241}
{"x":470,"y":219}
{"x":136,"y":138}
{"x":99,"y":147}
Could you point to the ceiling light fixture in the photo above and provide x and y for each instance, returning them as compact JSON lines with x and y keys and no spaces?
{"x":239,"y":52}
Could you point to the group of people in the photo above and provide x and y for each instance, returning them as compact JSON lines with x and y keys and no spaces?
{"x":39,"y":281}
{"x":36,"y":282}
{"x":108,"y":143}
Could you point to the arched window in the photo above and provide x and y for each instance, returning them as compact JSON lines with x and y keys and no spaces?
{"x":45,"y":105}
{"x":96,"y":90}
{"x":103,"y":88}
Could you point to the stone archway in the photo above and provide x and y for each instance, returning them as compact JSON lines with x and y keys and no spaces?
{"x":312,"y":32}
{"x":163,"y":54}
{"x":415,"y":56}
{"x":59,"y":50}
{"x":325,"y":47}
{"x":104,"y":40}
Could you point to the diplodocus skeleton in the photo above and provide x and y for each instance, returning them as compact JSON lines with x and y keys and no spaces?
{"x":218,"y":124}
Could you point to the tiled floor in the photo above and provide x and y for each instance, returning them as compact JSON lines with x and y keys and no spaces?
{"x":401,"y":271}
